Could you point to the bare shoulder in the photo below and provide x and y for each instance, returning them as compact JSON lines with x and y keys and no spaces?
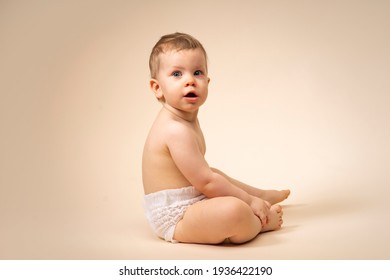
{"x":178,"y":131}
{"x":172,"y":129}
{"x":167,"y":134}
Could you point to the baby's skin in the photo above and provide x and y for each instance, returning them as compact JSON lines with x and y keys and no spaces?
{"x":174,"y":157}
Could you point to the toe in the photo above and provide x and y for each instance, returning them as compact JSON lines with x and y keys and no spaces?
{"x":278,"y":208}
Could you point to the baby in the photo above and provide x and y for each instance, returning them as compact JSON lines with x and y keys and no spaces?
{"x":186,"y":200}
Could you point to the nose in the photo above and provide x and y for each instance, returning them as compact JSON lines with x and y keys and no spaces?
{"x":190,"y":81}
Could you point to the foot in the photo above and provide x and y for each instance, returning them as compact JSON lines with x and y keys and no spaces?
{"x":274,"y":196}
{"x":275,"y":219}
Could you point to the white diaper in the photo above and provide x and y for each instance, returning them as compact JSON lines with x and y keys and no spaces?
{"x":164,"y":209}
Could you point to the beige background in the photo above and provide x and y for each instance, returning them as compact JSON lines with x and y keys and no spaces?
{"x":299,"y":98}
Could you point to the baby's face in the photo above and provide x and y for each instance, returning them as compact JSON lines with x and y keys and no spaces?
{"x":183,"y":79}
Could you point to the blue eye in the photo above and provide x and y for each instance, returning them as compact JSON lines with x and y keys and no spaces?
{"x":198,"y":72}
{"x":176,"y":74}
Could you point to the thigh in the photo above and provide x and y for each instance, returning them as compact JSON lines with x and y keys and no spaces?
{"x":213,"y":220}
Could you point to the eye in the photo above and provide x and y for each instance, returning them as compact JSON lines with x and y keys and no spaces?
{"x":176,"y":74}
{"x":198,"y":73}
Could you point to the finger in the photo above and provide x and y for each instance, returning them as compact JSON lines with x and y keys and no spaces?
{"x":263,"y":219}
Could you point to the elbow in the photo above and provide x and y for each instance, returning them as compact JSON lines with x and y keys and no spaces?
{"x":211,"y":185}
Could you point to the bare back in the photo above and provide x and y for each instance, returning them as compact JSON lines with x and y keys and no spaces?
{"x":159,"y":170}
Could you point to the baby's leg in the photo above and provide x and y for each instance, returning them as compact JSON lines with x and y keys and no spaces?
{"x":214,"y":220}
{"x":272,"y":196}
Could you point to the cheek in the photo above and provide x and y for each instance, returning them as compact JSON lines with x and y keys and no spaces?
{"x":205,"y":85}
{"x":166,"y":88}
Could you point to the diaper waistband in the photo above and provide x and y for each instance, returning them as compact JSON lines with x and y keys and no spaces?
{"x":171,"y":196}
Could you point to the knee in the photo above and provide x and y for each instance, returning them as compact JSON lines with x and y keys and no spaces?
{"x":236,"y":211}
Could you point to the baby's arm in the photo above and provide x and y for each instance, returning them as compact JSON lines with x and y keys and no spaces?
{"x":186,"y":154}
{"x":249,"y":189}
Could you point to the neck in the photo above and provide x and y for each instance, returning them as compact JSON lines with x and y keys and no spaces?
{"x":186,"y":116}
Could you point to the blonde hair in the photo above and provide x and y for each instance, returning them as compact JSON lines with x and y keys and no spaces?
{"x":175,"y":41}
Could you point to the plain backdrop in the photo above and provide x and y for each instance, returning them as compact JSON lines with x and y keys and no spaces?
{"x":299,"y":97}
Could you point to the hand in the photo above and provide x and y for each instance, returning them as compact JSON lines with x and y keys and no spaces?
{"x":260,"y":208}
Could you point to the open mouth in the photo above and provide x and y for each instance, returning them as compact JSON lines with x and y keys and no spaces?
{"x":191,"y":95}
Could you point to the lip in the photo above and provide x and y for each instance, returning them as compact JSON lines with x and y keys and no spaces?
{"x":191,"y":97}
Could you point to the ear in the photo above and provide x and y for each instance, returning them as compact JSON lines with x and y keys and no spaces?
{"x":208,"y":80}
{"x":155,"y":87}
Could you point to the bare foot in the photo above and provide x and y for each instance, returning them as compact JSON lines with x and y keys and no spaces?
{"x":274,"y":196}
{"x":275,"y":219}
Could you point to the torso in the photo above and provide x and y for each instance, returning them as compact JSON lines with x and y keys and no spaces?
{"x":159,"y":171}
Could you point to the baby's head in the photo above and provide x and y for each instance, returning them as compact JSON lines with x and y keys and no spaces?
{"x":172,"y":42}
